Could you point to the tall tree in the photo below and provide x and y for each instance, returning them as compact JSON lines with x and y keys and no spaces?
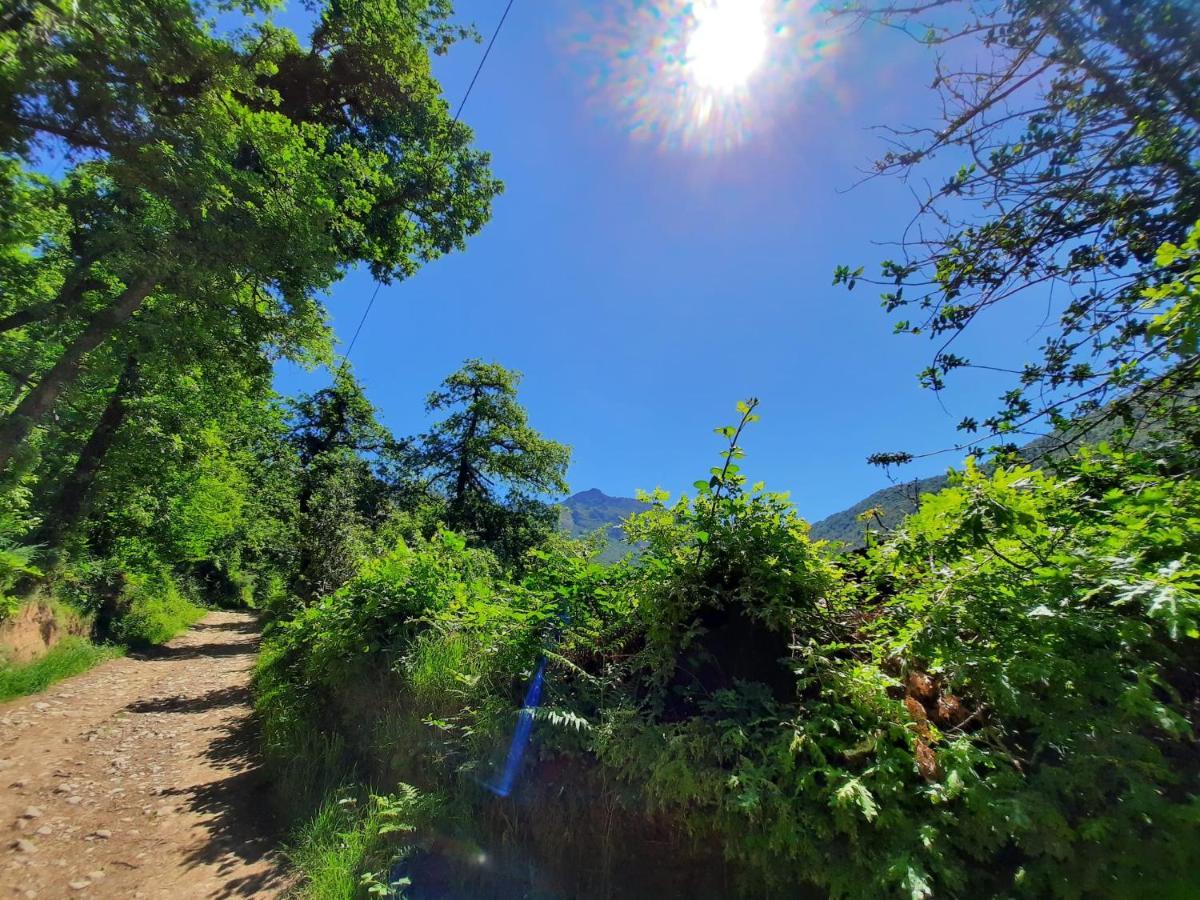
{"x":484,"y":456}
{"x":75,"y":492}
{"x":348,"y":466}
{"x":1080,"y":130}
{"x":237,"y":159}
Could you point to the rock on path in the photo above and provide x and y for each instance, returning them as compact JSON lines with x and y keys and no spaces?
{"x":138,"y":779}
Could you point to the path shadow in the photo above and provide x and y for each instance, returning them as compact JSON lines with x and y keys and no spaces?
{"x":239,"y":808}
{"x":196,"y":651}
{"x":181,"y":703}
{"x":241,"y":626}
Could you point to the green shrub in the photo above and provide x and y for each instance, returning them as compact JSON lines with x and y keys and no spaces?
{"x":70,"y":656}
{"x":156,"y":611}
{"x":997,"y":700}
{"x":16,"y":561}
{"x":351,"y":845}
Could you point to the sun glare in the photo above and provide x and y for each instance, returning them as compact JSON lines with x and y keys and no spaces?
{"x":727,"y":44}
{"x":704,"y":75}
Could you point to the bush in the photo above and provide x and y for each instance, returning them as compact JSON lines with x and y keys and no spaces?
{"x":998,"y":699}
{"x":16,"y":561}
{"x":155,"y":610}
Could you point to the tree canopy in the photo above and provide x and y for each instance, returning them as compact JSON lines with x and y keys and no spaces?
{"x":228,"y":174}
{"x":492,"y":467}
{"x":1070,"y":154}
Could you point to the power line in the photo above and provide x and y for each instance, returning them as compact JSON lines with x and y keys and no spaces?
{"x":466,"y":96}
{"x":361,"y":323}
{"x":486,"y":53}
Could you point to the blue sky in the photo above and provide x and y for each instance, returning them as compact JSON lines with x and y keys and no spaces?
{"x":644,"y":289}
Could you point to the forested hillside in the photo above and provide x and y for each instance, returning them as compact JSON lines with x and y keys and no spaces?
{"x":457,"y":692}
{"x":885,"y":509}
{"x":588,"y":512}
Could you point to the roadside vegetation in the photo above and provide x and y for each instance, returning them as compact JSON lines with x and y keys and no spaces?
{"x":996,"y":698}
{"x":71,"y":656}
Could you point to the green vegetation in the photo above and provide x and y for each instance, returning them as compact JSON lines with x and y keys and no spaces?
{"x":156,"y":611}
{"x":885,"y":509}
{"x":993,"y":700}
{"x":348,"y":846}
{"x":996,"y":698}
{"x":215,"y":181}
{"x":70,"y":656}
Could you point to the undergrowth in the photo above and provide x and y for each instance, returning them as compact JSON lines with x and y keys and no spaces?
{"x":70,"y":656}
{"x":998,"y":699}
{"x":356,"y":843}
{"x":157,"y":611}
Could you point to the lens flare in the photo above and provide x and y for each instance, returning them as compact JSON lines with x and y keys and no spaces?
{"x":727,"y":43}
{"x":700,"y":75}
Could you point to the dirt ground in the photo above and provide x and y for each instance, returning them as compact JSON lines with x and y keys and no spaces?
{"x":139,"y":780}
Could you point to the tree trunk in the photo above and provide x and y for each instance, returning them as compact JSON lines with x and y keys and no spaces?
{"x":68,"y":297}
{"x":75,"y":494}
{"x":36,"y":404}
{"x":463,"y":477}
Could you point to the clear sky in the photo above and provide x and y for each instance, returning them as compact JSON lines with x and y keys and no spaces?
{"x":645,"y":273}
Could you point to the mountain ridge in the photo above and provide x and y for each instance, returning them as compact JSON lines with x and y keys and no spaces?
{"x":589,"y":510}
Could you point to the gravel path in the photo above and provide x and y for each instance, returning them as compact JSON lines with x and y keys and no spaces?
{"x":139,"y":780}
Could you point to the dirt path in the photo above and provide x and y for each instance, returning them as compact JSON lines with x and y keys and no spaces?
{"x":138,"y":779}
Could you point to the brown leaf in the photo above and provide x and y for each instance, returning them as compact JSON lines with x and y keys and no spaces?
{"x":922,"y":687}
{"x":917,"y":711}
{"x":927,"y":762}
{"x":950,"y":711}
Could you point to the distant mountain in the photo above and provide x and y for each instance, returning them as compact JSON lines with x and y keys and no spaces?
{"x":589,"y":511}
{"x":593,"y":510}
{"x":899,"y":500}
{"x":893,"y":503}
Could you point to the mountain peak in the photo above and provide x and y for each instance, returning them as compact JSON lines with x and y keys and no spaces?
{"x":589,"y":494}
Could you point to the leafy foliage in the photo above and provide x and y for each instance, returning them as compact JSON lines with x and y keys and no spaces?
{"x":1073,"y":150}
{"x":155,"y":610}
{"x":998,"y":698}
{"x":218,"y":174}
{"x":490,"y":465}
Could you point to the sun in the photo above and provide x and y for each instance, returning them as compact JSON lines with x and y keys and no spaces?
{"x":727,"y":44}
{"x":705,"y":76}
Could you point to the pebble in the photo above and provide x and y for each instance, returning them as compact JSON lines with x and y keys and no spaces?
{"x":24,"y":846}
{"x":45,"y":830}
{"x":41,"y":706}
{"x":31,"y":812}
{"x":74,"y":801}
{"x":80,"y":885}
{"x":102,"y":833}
{"x":96,"y":875}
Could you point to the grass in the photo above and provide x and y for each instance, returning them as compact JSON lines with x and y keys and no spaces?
{"x":70,"y":656}
{"x":347,"y":848}
{"x":329,"y":852}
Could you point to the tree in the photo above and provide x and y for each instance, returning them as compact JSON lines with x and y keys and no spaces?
{"x":350,"y":471}
{"x":74,"y":494}
{"x":485,"y":458}
{"x":235,"y":164}
{"x":1081,"y":139}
